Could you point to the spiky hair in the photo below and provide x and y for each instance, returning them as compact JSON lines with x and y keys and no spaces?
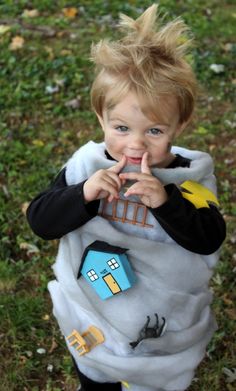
{"x":149,"y":60}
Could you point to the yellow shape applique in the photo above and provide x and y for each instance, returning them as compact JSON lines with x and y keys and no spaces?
{"x":125,"y":384}
{"x":198,"y":194}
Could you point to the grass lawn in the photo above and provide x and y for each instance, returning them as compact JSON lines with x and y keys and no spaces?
{"x":45,"y":79}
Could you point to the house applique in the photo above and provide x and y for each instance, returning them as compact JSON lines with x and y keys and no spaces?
{"x":106,"y":268}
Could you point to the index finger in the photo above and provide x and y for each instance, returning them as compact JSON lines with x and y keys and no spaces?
{"x":118,"y":166}
{"x":144,"y":164}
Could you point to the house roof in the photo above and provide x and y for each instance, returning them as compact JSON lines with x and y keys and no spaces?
{"x":101,"y":246}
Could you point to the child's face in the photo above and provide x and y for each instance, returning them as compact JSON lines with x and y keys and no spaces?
{"x":127,"y":131}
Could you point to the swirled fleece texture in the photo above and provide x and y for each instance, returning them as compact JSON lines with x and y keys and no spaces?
{"x":171,"y":281}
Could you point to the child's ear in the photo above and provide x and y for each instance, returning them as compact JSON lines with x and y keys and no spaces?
{"x":101,"y":121}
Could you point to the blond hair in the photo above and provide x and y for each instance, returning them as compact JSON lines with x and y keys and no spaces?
{"x":149,"y":61}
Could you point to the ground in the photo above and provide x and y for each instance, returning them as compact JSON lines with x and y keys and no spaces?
{"x":45,"y":77}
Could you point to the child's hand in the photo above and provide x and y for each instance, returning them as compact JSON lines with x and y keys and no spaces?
{"x":104,"y":183}
{"x":148,"y":188}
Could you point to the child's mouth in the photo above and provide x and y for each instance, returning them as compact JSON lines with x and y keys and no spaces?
{"x":134,"y":160}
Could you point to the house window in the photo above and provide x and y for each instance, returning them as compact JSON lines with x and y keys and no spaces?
{"x":92,"y":275}
{"x":113,"y":264}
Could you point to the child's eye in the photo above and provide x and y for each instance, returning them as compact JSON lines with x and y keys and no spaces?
{"x":155,"y":131}
{"x":122,"y":128}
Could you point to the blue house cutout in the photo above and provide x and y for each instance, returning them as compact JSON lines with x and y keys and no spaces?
{"x":106,"y":268}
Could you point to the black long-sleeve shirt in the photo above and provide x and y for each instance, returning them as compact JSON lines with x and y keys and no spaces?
{"x":61,"y":209}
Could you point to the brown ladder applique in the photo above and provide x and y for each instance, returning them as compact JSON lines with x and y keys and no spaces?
{"x":126,"y":205}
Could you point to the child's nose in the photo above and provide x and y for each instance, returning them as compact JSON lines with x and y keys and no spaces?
{"x":137,"y":142}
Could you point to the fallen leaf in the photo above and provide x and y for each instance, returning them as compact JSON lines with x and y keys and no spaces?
{"x":229,"y":161}
{"x":217,"y":279}
{"x":4,"y":29}
{"x":212,"y":147}
{"x":74,"y":103}
{"x":22,"y":359}
{"x":201,"y":130}
{"x":228,"y":47}
{"x":233,"y":239}
{"x":24,"y":207}
{"x":70,"y":12}
{"x":227,"y":300}
{"x":60,"y":82}
{"x":230,"y":387}
{"x":208,"y":12}
{"x":41,"y":351}
{"x":30,"y":248}
{"x":5,"y":191}
{"x":30,"y":13}
{"x":231,"y":313}
{"x":66,"y":52}
{"x":50,"y":52}
{"x":51,"y":89}
{"x":73,"y":36}
{"x":50,"y":368}
{"x":230,"y":373}
{"x":54,"y":345}
{"x":17,"y":43}
{"x":231,"y":124}
{"x":61,"y":34}
{"x":217,"y":68}
{"x":38,"y":143}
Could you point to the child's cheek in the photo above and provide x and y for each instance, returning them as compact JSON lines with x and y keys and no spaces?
{"x":110,"y":142}
{"x":168,"y":147}
{"x":113,"y":147}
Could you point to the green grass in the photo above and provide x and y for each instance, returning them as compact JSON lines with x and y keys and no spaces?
{"x":38,"y":132}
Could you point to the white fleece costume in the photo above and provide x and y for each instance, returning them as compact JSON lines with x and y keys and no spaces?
{"x":171,"y":281}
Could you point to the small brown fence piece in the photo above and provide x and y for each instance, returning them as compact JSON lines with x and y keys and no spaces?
{"x":110,"y":212}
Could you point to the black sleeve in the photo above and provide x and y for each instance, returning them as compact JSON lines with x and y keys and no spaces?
{"x":60,"y":209}
{"x":200,"y":230}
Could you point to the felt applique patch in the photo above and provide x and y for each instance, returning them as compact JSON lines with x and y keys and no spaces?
{"x":198,"y":194}
{"x":126,"y":211}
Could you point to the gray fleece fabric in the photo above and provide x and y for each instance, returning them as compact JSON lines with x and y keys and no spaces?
{"x":171,"y":281}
